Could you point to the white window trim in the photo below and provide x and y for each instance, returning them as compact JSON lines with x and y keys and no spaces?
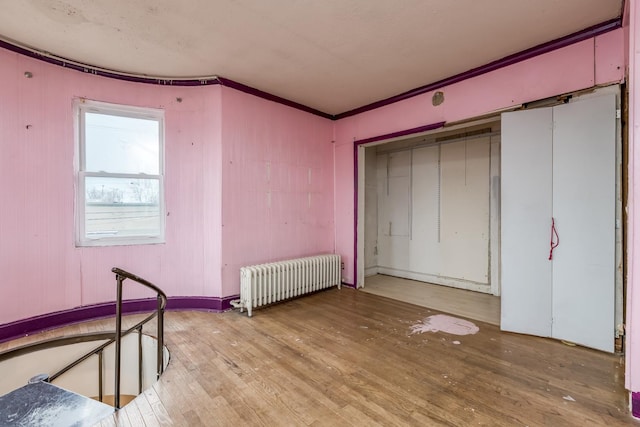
{"x":80,"y":106}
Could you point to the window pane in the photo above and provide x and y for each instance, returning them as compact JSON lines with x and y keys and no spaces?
{"x":121,"y":207}
{"x":118,"y":144}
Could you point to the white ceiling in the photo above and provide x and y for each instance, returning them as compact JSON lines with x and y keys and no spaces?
{"x":331,"y":55}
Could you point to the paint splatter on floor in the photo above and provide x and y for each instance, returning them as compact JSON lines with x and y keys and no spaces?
{"x":443,"y":323}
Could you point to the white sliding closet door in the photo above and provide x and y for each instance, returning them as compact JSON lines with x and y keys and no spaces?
{"x":559,"y":164}
{"x":526,"y":221}
{"x":584,"y":208}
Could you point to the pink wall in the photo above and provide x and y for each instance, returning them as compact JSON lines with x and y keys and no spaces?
{"x":633,"y":233}
{"x":42,"y":269}
{"x":246,"y":181}
{"x":277,"y":182}
{"x":579,"y":66}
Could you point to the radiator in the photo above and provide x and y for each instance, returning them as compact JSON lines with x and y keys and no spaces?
{"x":277,"y":281}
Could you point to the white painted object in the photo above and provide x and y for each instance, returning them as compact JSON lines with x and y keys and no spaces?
{"x":584,"y":204}
{"x":558,"y":164}
{"x":277,"y":281}
{"x":526,"y":221}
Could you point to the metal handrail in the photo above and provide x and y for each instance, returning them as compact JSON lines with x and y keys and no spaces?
{"x":101,"y":347}
{"x":55,"y":342}
{"x":161,"y":298}
{"x":110,"y":337}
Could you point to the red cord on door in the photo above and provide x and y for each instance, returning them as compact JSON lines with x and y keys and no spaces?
{"x":554,"y":233}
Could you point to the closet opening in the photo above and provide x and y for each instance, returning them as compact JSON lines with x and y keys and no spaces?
{"x":430,"y":220}
{"x":514,"y":220}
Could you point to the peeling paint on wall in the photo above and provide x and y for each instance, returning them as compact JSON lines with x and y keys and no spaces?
{"x":443,"y":323}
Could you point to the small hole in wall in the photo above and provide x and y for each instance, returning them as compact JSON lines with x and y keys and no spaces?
{"x":28,"y":74}
{"x":179,"y":99}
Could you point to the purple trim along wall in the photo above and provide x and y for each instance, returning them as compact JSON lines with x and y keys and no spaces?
{"x":503,"y":62}
{"x":399,"y":133}
{"x":47,"y":321}
{"x":270,"y":97}
{"x":214,"y":80}
{"x":635,"y":404}
{"x":86,"y":68}
{"x":585,"y":34}
{"x":356,"y":144}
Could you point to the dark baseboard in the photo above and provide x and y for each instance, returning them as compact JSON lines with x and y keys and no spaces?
{"x":32,"y":325}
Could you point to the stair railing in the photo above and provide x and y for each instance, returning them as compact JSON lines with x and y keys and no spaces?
{"x":110,"y":337}
{"x":161,"y":298}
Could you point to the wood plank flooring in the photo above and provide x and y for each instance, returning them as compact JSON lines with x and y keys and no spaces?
{"x":474,"y":305}
{"x":348,"y":358}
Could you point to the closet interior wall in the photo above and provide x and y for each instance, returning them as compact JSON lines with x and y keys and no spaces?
{"x":432,"y":208}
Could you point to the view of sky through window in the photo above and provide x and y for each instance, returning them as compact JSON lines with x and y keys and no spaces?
{"x":121,"y":145}
{"x":117,"y":144}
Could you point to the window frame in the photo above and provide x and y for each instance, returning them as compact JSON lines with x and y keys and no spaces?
{"x":81,"y":107}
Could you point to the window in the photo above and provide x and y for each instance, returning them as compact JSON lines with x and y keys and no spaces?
{"x":119,"y":192}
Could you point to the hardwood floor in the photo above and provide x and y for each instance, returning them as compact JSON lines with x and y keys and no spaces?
{"x":348,"y":358}
{"x":473,"y":305}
